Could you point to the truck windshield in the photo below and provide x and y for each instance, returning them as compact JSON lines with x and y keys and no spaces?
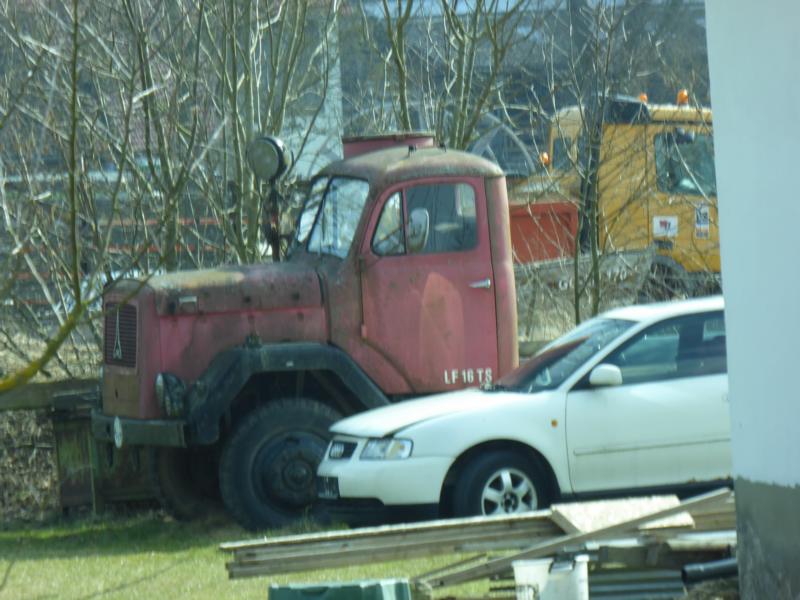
{"x":331,"y":214}
{"x":685,"y":163}
{"x":561,"y":358}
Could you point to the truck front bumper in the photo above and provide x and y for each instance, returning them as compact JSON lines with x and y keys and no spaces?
{"x":137,"y":432}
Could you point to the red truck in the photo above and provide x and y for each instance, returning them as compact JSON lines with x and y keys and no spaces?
{"x":400,"y":283}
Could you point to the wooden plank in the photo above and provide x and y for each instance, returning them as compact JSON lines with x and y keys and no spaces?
{"x":656,"y":556}
{"x":496,"y":566}
{"x":560,"y":519}
{"x":334,"y":549}
{"x":505,"y":536}
{"x":49,"y":395}
{"x":450,"y":567}
{"x":475,"y":524}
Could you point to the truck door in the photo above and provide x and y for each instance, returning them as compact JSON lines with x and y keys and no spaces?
{"x":428,"y":286}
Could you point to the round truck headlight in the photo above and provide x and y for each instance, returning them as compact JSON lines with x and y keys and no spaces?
{"x":386,"y":449}
{"x":170,"y":391}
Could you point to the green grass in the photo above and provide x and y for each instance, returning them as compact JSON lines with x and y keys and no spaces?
{"x":150,"y":557}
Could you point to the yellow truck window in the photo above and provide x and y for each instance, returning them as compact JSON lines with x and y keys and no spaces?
{"x":685,"y":163}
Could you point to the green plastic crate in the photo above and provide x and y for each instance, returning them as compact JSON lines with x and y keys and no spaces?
{"x":380,"y":589}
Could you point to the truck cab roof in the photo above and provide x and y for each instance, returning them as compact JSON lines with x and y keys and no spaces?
{"x":383,"y":168}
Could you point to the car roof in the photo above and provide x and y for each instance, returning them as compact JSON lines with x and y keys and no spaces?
{"x":664,"y":310}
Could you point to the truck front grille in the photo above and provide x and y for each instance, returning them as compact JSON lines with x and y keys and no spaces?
{"x":120,"y":335}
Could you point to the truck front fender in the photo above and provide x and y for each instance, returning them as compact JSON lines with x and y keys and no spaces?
{"x":212,"y":394}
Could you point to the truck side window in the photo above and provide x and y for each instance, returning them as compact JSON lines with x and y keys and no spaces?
{"x":685,"y":163}
{"x":388,"y":239}
{"x":451,"y":208}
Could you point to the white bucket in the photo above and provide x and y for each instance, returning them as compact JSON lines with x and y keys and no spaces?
{"x":541,"y":579}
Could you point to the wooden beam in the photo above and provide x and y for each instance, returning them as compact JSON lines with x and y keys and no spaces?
{"x":442,"y":526}
{"x":55,"y":394}
{"x":499,"y":565}
{"x":342,"y":548}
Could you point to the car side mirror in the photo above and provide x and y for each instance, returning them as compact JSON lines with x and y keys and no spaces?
{"x":605,"y":375}
{"x":417,"y":230}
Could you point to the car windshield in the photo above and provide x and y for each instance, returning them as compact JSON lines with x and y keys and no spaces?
{"x":561,"y":358}
{"x":331,"y":214}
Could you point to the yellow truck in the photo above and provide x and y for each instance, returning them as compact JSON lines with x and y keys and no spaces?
{"x":654,"y":185}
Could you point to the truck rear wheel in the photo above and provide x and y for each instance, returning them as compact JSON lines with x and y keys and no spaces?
{"x":269,"y":464}
{"x":662,"y":284}
{"x":184,"y":480}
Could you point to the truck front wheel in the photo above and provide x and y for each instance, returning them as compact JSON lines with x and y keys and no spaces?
{"x":269,"y":464}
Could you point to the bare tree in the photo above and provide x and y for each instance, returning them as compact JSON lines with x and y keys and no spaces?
{"x":128,"y":124}
{"x":441,"y":65}
{"x":43,"y":234}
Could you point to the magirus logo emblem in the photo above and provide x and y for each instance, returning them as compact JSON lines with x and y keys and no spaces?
{"x":117,"y":342}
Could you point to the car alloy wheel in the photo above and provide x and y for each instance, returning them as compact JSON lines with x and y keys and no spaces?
{"x":508,"y":490}
{"x":499,"y":482}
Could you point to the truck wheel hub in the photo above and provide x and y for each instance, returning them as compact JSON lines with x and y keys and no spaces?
{"x":286,"y":471}
{"x":298,"y":474}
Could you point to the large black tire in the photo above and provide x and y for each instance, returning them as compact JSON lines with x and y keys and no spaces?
{"x":500,"y":482}
{"x":184,"y":480}
{"x":268,"y":468}
{"x":663,"y":284}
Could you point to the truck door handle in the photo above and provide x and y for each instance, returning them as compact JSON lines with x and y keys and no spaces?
{"x":484,"y":284}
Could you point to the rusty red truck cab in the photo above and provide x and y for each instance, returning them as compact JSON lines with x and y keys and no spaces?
{"x":400,"y":283}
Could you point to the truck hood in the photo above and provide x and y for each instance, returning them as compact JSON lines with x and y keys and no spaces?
{"x":237,"y":288}
{"x":387,"y":420}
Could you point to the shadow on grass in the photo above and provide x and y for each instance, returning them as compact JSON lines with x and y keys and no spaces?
{"x":123,"y":586}
{"x":114,"y":535}
{"x":108,"y":535}
{"x":4,"y":582}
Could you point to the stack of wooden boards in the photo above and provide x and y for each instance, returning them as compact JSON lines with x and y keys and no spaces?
{"x":525,"y":536}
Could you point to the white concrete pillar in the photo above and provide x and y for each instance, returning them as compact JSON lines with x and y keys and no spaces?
{"x":754,"y":61}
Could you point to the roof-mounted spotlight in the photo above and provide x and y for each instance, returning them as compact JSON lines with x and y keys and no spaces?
{"x":268,"y":158}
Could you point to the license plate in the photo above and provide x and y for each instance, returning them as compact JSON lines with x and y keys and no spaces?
{"x":328,"y":488}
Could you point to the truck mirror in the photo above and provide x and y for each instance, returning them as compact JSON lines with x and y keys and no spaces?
{"x":418,"y":227}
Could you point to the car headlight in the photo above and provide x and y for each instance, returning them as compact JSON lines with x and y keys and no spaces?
{"x":387,"y":449}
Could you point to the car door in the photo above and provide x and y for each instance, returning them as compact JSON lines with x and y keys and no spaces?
{"x":428,"y":285}
{"x":667,"y":423}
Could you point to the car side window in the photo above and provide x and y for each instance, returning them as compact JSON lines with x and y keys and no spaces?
{"x":689,"y":346}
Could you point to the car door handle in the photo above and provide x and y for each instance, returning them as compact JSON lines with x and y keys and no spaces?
{"x":484,"y":284}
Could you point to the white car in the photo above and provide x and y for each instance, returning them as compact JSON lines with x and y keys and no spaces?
{"x":632,"y":401}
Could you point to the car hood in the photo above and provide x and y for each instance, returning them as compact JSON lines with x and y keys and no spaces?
{"x":387,"y":420}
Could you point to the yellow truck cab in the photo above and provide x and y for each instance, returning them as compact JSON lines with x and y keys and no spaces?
{"x":655,"y":183}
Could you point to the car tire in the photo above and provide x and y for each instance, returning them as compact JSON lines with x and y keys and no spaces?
{"x":500,"y":482}
{"x":268,"y":467}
